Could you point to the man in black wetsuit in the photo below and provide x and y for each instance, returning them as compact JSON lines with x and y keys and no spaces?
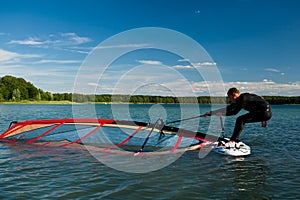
{"x":259,"y":111}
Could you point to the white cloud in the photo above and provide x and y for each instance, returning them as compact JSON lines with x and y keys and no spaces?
{"x":81,"y":50}
{"x":195,"y":65}
{"x":265,"y":87}
{"x":13,"y":57}
{"x":184,"y":60}
{"x":58,"y":72}
{"x":57,"y":61}
{"x":52,"y":79}
{"x":61,"y":79}
{"x":70,"y":42}
{"x":183,"y":67}
{"x":93,"y":84}
{"x":122,"y":46}
{"x":54,"y":40}
{"x":204,"y":64}
{"x":204,"y":88}
{"x":150,"y":62}
{"x":267,"y":81}
{"x":75,"y":38}
{"x":29,"y":41}
{"x":275,"y":71}
{"x":272,"y":70}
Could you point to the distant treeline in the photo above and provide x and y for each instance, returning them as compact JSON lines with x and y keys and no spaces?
{"x":282,"y":99}
{"x":14,"y":89}
{"x":107,"y":98}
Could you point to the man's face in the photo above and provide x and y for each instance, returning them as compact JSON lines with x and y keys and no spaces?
{"x":232,"y":97}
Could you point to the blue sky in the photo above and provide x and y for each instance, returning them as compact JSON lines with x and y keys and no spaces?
{"x":254,"y":44}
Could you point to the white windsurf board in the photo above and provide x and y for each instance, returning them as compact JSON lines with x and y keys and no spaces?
{"x":240,"y":149}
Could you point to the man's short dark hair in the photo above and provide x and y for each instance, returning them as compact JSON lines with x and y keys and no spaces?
{"x":233,"y":90}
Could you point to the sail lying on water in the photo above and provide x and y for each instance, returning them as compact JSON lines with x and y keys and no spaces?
{"x":106,"y":135}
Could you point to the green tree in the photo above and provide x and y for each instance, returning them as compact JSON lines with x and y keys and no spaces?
{"x":16,"y":94}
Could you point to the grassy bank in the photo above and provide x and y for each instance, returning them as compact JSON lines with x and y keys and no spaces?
{"x":37,"y":102}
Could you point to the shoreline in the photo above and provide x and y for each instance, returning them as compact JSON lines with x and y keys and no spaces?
{"x":36,"y":102}
{"x":85,"y":103}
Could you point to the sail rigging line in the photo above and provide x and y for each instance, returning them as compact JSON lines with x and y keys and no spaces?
{"x":222,"y":127}
{"x":160,"y":125}
{"x":11,"y":129}
{"x":43,"y":134}
{"x":85,"y":136}
{"x":162,"y":137}
{"x":124,"y":141}
{"x":180,"y":120}
{"x":70,"y":130}
{"x":14,"y":140}
{"x":177,"y":143}
{"x":29,"y":125}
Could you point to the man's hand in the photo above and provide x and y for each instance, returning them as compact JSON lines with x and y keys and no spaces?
{"x":207,"y":114}
{"x":210,"y":114}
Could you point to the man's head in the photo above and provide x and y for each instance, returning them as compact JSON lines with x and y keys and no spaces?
{"x":233,"y":94}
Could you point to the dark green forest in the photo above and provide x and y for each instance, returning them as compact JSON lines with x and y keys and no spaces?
{"x":14,"y":89}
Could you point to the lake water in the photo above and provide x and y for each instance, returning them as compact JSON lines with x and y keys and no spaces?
{"x":271,"y":172}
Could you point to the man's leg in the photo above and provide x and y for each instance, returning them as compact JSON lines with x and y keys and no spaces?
{"x":239,"y":125}
{"x":247,"y":118}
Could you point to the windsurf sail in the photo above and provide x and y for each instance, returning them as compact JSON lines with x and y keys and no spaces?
{"x":106,"y":135}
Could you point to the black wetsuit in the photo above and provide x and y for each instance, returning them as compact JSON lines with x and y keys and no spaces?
{"x":259,"y":110}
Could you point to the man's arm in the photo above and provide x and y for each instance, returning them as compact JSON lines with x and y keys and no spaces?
{"x":219,"y":112}
{"x":231,"y":109}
